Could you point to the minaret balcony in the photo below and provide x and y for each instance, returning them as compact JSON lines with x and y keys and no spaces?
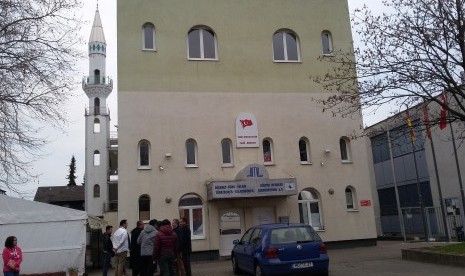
{"x":97,"y":111}
{"x":97,"y":81}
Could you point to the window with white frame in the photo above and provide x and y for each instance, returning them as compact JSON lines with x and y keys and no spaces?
{"x":267,"y":151}
{"x":310,"y":208}
{"x":304,"y":151}
{"x":148,"y":37}
{"x":191,"y":153}
{"x":326,"y":43}
{"x":96,"y":158}
{"x":191,"y":208}
{"x":202,"y":44}
{"x":96,"y":190}
{"x":285,"y":47}
{"x":144,"y":208}
{"x":96,"y":125}
{"x":350,"y":198}
{"x":344,"y":146}
{"x":226,"y":150}
{"x":144,"y":154}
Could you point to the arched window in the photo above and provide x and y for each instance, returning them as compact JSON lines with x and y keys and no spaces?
{"x":96,"y":158}
{"x":350,"y":198}
{"x":285,"y":46}
{"x":96,"y":125}
{"x":202,"y":44}
{"x":326,"y":43}
{"x":310,"y":208}
{"x":148,"y":37}
{"x":96,"y":190}
{"x":191,"y":208}
{"x":226,"y":149}
{"x":144,"y":208}
{"x":96,"y":76}
{"x":304,"y":151}
{"x":267,"y":151}
{"x":191,"y":153}
{"x":344,"y":145}
{"x":96,"y":106}
{"x":144,"y":154}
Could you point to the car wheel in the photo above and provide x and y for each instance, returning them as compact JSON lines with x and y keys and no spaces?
{"x":258,"y":270}
{"x":235,"y":266}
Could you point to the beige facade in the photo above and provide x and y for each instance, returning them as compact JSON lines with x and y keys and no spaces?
{"x":166,"y":98}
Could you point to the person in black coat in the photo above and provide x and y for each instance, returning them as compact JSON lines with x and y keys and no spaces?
{"x":134,"y":247}
{"x":186,"y":246}
{"x":107,"y":249}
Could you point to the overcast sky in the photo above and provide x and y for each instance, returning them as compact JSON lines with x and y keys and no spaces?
{"x":53,"y":167}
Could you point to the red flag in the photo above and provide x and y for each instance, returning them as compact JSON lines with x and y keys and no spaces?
{"x":246,"y":122}
{"x":443,"y":122}
{"x":410,"y":126}
{"x":426,"y":121}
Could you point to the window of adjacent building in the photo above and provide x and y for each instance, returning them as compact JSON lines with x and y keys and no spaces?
{"x":326,"y":43}
{"x":96,"y":190}
{"x":202,"y":44}
{"x":144,"y":208}
{"x":310,"y":208}
{"x":148,"y":37}
{"x":144,"y":154}
{"x":344,"y":145}
{"x":191,"y":208}
{"x":226,"y":150}
{"x":304,"y":151}
{"x":96,"y":158}
{"x":96,"y":125}
{"x":267,"y":151}
{"x":350,"y":197}
{"x":191,"y":153}
{"x":285,"y":46}
{"x":112,"y":197}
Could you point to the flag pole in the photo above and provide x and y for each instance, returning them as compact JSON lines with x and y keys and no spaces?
{"x":458,"y":171}
{"x":399,"y":210}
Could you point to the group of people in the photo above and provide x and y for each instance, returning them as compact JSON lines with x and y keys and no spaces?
{"x":160,"y":244}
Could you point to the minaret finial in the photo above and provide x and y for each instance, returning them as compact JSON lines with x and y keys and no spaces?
{"x":97,"y":5}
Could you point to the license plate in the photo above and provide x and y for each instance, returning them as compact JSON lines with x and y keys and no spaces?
{"x":302,"y":265}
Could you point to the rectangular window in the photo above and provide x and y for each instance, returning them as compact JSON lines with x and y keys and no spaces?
{"x":148,"y":37}
{"x":278,"y":46}
{"x":194,"y":44}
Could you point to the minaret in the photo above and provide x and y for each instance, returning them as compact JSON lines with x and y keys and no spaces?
{"x":97,"y":87}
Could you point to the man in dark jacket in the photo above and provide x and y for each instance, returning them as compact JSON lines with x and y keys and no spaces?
{"x":186,"y":246}
{"x":107,"y":249}
{"x":166,"y":242}
{"x":179,"y":263}
{"x":134,"y":247}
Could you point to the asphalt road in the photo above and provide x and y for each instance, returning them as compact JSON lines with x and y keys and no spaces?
{"x":383,"y":260}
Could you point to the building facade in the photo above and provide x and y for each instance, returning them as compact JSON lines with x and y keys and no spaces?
{"x":218,"y":121}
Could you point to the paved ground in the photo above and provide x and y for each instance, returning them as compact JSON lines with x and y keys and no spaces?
{"x":382,"y":260}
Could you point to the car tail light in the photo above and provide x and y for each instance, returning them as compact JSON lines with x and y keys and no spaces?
{"x":323,"y":248}
{"x":271,"y":253}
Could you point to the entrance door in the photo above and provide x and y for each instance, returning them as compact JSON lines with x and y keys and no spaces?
{"x":230,"y":229}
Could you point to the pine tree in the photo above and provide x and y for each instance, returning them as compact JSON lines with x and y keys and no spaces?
{"x":72,"y":171}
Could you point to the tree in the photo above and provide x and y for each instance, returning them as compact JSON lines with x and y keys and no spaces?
{"x":37,"y":55}
{"x":408,"y":55}
{"x":72,"y":172}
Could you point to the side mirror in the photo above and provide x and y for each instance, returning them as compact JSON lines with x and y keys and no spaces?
{"x":236,"y":242}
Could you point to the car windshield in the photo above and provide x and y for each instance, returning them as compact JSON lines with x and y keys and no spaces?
{"x":297,"y":234}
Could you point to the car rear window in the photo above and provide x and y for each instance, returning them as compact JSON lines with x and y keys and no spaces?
{"x":294,"y":235}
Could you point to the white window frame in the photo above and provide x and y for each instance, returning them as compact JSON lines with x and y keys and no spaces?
{"x":268,"y":163}
{"x":94,"y":191}
{"x":144,"y":167}
{"x":231,"y":163}
{"x":195,"y":165}
{"x":154,"y":49}
{"x":353,"y":198}
{"x":96,"y":125}
{"x":330,"y":43}
{"x":138,"y":206}
{"x":191,"y":220}
{"x":202,"y":50}
{"x":347,"y":150}
{"x":284,"y":43}
{"x":307,"y":203}
{"x":97,"y":158}
{"x":307,"y":148}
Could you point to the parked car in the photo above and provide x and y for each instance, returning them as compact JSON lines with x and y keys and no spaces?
{"x":279,"y":249}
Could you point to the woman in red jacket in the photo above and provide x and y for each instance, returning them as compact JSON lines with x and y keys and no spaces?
{"x":12,"y":257}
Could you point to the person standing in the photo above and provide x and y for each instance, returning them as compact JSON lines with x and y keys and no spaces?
{"x":164,"y":249}
{"x":179,"y":262}
{"x":107,"y":249}
{"x":12,"y":257}
{"x":146,"y":240}
{"x":134,"y":248}
{"x":186,"y":246}
{"x":121,"y":247}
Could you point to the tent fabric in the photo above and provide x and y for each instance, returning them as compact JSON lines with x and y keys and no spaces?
{"x":52,"y":238}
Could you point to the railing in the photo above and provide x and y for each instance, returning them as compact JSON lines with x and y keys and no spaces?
{"x":97,"y":111}
{"x":97,"y":80}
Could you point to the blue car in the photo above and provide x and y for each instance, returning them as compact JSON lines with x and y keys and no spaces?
{"x":279,"y":249}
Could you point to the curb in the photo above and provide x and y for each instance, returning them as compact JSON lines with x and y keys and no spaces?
{"x":422,"y":255}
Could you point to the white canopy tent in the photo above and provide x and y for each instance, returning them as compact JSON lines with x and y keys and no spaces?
{"x":52,"y":238}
